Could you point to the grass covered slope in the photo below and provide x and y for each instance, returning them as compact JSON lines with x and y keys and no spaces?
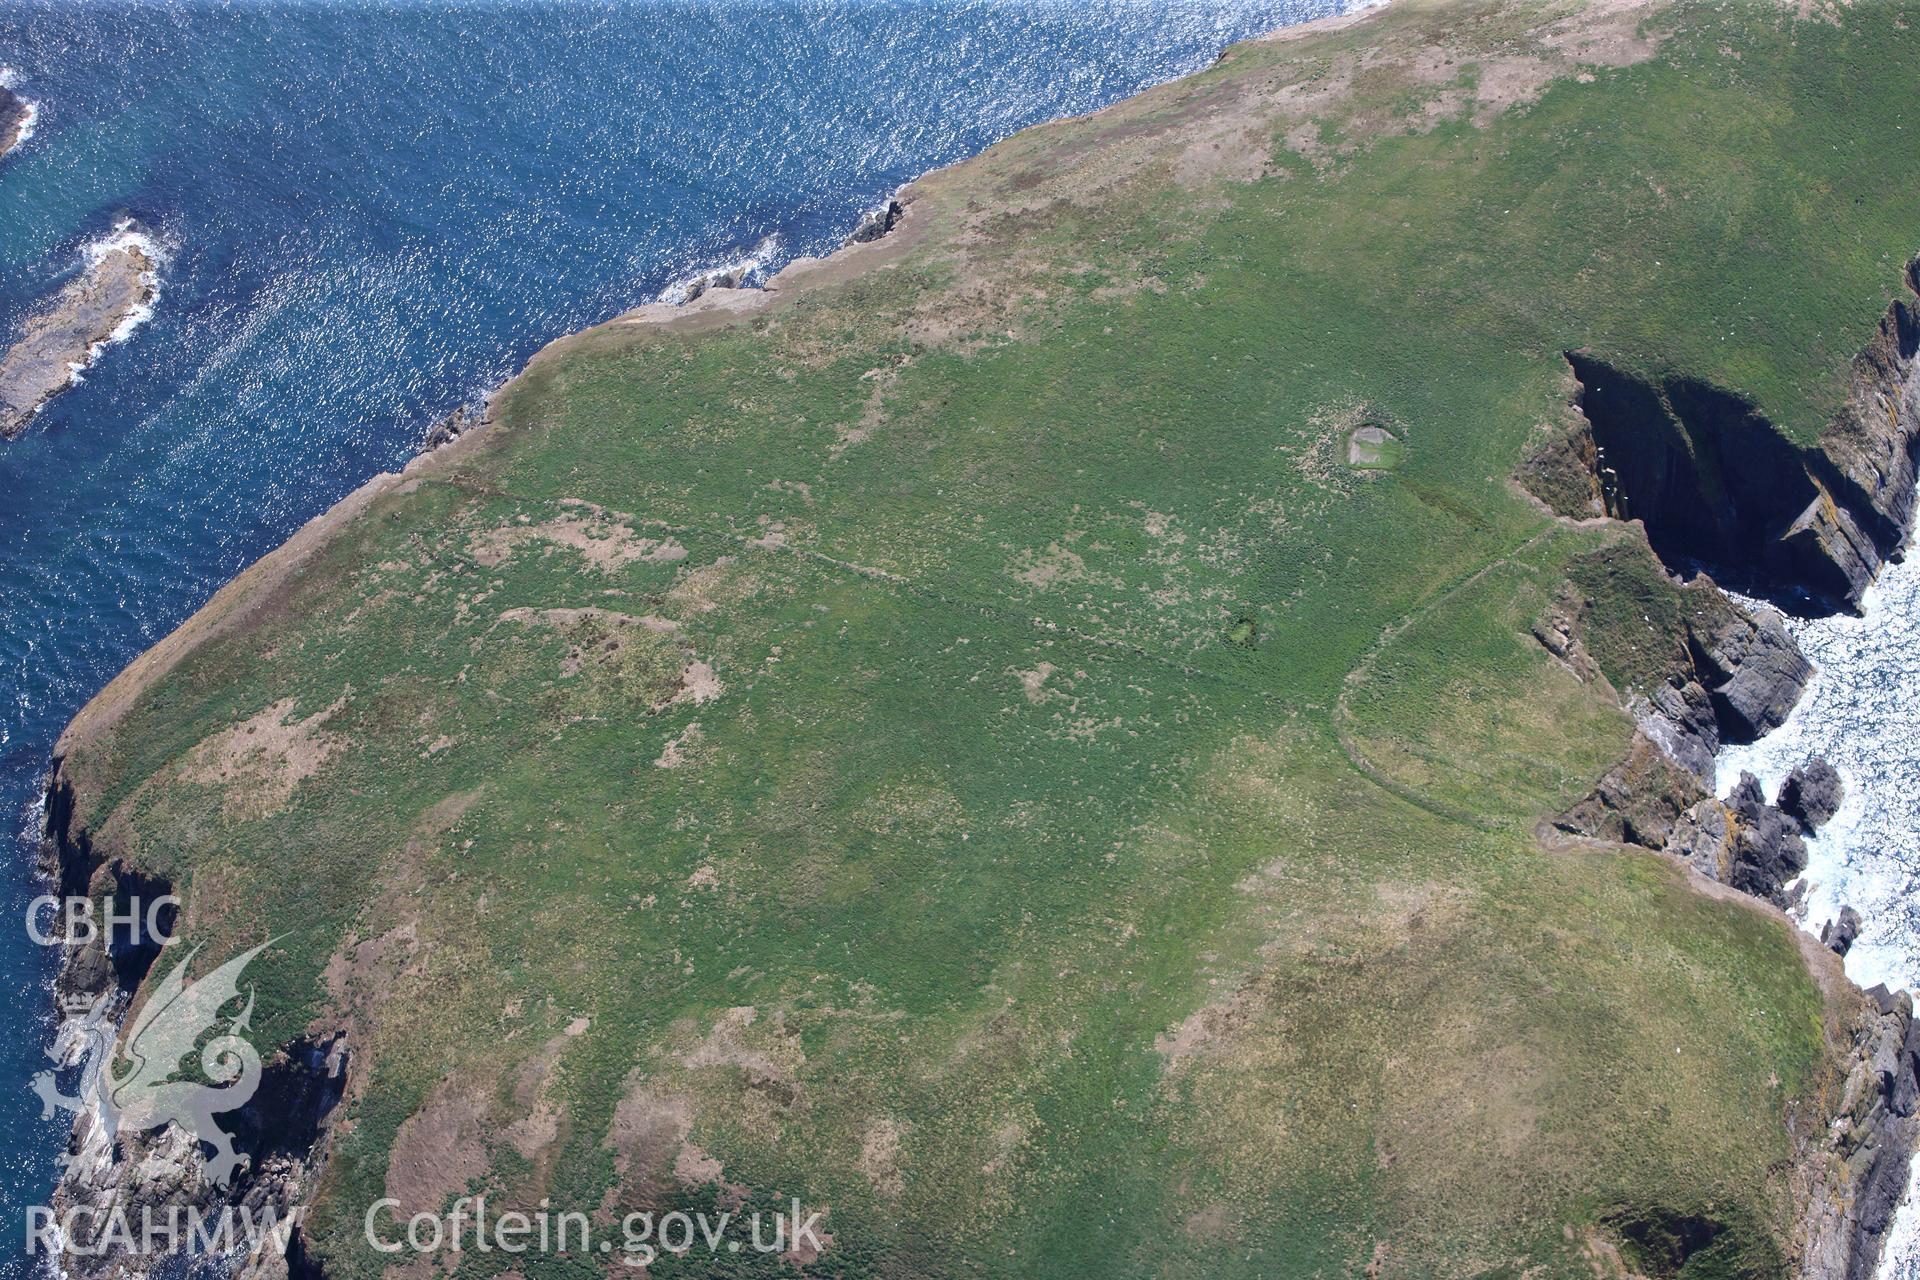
{"x":1028,"y":739}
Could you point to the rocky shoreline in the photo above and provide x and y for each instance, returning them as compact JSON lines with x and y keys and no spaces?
{"x":284,"y":1132}
{"x":113,"y":292}
{"x":1709,"y":480}
{"x":280,"y":1134}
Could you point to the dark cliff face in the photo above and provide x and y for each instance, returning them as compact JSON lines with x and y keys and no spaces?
{"x":1719,"y":487}
{"x":282,"y":1130}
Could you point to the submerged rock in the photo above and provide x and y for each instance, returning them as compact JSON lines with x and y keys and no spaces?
{"x":61,"y":339}
{"x":1812,"y":793}
{"x":15,"y":116}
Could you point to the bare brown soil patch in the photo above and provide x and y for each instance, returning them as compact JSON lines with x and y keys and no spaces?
{"x":439,"y":1151}
{"x":654,"y":1152}
{"x":262,"y":760}
{"x":603,"y":540}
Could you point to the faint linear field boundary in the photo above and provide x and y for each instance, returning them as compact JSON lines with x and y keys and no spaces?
{"x":930,"y":595}
{"x":1363,"y":670}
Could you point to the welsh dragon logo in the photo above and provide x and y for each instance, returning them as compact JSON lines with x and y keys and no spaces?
{"x":136,"y":1088}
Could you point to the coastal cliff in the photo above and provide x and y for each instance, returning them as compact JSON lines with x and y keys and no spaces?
{"x":966,"y":739}
{"x":1718,"y":486}
{"x":110,"y":1180}
{"x":1710,"y":482}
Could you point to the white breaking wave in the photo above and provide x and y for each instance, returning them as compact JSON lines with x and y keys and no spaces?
{"x":126,"y":235}
{"x":27,"y":123}
{"x":10,"y":79}
{"x":1862,"y":712}
{"x":753,"y":270}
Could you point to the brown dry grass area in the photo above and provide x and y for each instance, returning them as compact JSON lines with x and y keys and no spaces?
{"x":440,"y":1150}
{"x":262,"y":760}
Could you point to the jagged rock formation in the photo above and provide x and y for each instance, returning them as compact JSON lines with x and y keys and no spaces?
{"x":1812,"y":793}
{"x":729,"y":277}
{"x":1840,"y":933}
{"x":1860,"y":1154}
{"x":1742,"y":678}
{"x":1717,"y":485}
{"x":281,"y":1132}
{"x":877,"y":223}
{"x":59,"y":341}
{"x":1742,"y":841}
{"x":453,"y":426}
{"x":1640,"y":801}
{"x":1767,"y":851}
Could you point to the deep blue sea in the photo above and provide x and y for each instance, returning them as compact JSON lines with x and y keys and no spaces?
{"x":371,"y":212}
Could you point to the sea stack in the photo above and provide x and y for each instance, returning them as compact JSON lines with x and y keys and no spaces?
{"x":57,"y":342}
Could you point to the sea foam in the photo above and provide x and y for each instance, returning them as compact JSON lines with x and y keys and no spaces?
{"x":10,"y":79}
{"x":753,"y":271}
{"x":1861,"y":711}
{"x":127,"y":235}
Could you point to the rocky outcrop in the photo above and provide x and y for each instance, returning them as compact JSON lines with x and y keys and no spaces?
{"x":1812,"y":793}
{"x":877,"y":223}
{"x":1738,"y":676}
{"x":1840,"y":933}
{"x":1640,"y":801}
{"x":1753,"y":674}
{"x":453,"y":426}
{"x":1853,"y":1172}
{"x":1767,"y":852}
{"x":60,"y":340}
{"x":1742,"y":841}
{"x":728,"y":277}
{"x":161,"y":1174}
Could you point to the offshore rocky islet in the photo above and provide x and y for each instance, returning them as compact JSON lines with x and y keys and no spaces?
{"x":112,"y":294}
